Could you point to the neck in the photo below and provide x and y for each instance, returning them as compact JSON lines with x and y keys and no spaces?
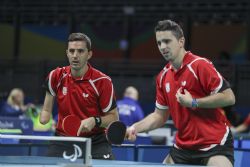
{"x":179,"y":59}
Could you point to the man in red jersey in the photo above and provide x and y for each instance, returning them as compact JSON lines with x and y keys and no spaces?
{"x":83,"y":91}
{"x":243,"y":127}
{"x":192,"y":91}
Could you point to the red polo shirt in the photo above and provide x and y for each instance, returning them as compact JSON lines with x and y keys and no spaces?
{"x":199,"y":129}
{"x":91,"y":95}
{"x":247,"y":120}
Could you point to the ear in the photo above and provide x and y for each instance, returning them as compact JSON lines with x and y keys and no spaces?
{"x":182,"y":42}
{"x":90,"y":54}
{"x":67,"y":52}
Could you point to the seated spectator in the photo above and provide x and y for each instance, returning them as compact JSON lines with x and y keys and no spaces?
{"x":242,"y":128}
{"x":129,"y":109}
{"x":233,"y":116}
{"x":34,"y":115}
{"x":14,"y":106}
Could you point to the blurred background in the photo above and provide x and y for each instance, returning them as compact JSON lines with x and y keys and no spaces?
{"x":33,"y":37}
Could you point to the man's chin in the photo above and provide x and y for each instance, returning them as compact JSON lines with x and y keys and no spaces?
{"x":166,"y":58}
{"x":74,"y":67}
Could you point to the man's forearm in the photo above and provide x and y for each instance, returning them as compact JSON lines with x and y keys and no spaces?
{"x":108,"y":118}
{"x":152,"y":121}
{"x":217,"y":100}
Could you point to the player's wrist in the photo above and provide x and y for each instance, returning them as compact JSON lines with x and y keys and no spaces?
{"x":194,"y":103}
{"x":98,"y":121}
{"x":132,"y":130}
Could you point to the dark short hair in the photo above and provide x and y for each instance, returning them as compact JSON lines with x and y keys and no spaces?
{"x":169,"y":25}
{"x":80,"y":37}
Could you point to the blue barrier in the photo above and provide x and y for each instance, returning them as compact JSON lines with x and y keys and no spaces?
{"x":124,"y":152}
{"x":236,"y":143}
{"x":146,"y":153}
{"x":143,"y":140}
{"x":242,"y":157}
{"x":9,"y":125}
{"x":152,"y":153}
{"x":245,"y":144}
{"x":242,"y":141}
{"x":25,"y":125}
{"x":13,"y":150}
{"x":141,"y":153}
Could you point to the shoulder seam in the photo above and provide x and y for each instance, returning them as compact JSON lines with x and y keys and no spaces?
{"x":165,"y":70}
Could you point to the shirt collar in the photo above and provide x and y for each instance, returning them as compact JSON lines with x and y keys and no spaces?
{"x":86,"y":76}
{"x":186,"y":60}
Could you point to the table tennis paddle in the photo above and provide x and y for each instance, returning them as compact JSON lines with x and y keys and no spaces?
{"x":115,"y":133}
{"x":71,"y":124}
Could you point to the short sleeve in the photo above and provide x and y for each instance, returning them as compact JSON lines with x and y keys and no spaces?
{"x":210,"y":79}
{"x":52,"y":81}
{"x":247,"y":120}
{"x":161,"y":102}
{"x":107,"y":97}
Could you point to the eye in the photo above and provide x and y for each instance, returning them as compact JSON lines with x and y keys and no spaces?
{"x":81,"y":50}
{"x":71,"y":51}
{"x":159,"y":43}
{"x":166,"y":41}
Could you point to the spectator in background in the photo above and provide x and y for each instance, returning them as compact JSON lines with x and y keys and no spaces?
{"x":129,"y":109}
{"x":233,"y":116}
{"x":242,"y":128}
{"x":14,"y":106}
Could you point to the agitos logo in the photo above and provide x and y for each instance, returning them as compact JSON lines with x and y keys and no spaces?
{"x":77,"y":154}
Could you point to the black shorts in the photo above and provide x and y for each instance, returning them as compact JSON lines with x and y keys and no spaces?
{"x":100,"y":148}
{"x":192,"y":157}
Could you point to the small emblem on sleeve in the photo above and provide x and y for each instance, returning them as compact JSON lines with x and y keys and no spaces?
{"x":167,"y":87}
{"x":64,"y":90}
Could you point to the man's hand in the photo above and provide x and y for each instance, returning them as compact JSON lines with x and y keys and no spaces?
{"x":233,"y":130}
{"x":185,"y":98}
{"x":131,"y":133}
{"x":86,"y":125}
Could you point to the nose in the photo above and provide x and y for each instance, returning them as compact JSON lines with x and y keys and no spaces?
{"x":75,"y":54}
{"x":162,"y":46}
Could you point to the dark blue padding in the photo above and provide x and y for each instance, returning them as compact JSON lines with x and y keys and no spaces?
{"x":236,"y":143}
{"x":21,"y":149}
{"x":13,"y":150}
{"x":245,"y":144}
{"x":242,"y":157}
{"x":124,"y":152}
{"x":152,"y":153}
{"x":142,"y":140}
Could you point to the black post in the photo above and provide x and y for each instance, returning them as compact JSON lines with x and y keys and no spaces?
{"x":17,"y":27}
{"x":248,"y":35}
{"x":187,"y":30}
{"x":72,"y":23}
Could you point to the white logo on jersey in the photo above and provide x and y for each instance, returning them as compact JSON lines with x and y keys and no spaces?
{"x":167,"y":87}
{"x":183,"y":83}
{"x":85,"y":95}
{"x":64,"y":90}
{"x":77,"y":153}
